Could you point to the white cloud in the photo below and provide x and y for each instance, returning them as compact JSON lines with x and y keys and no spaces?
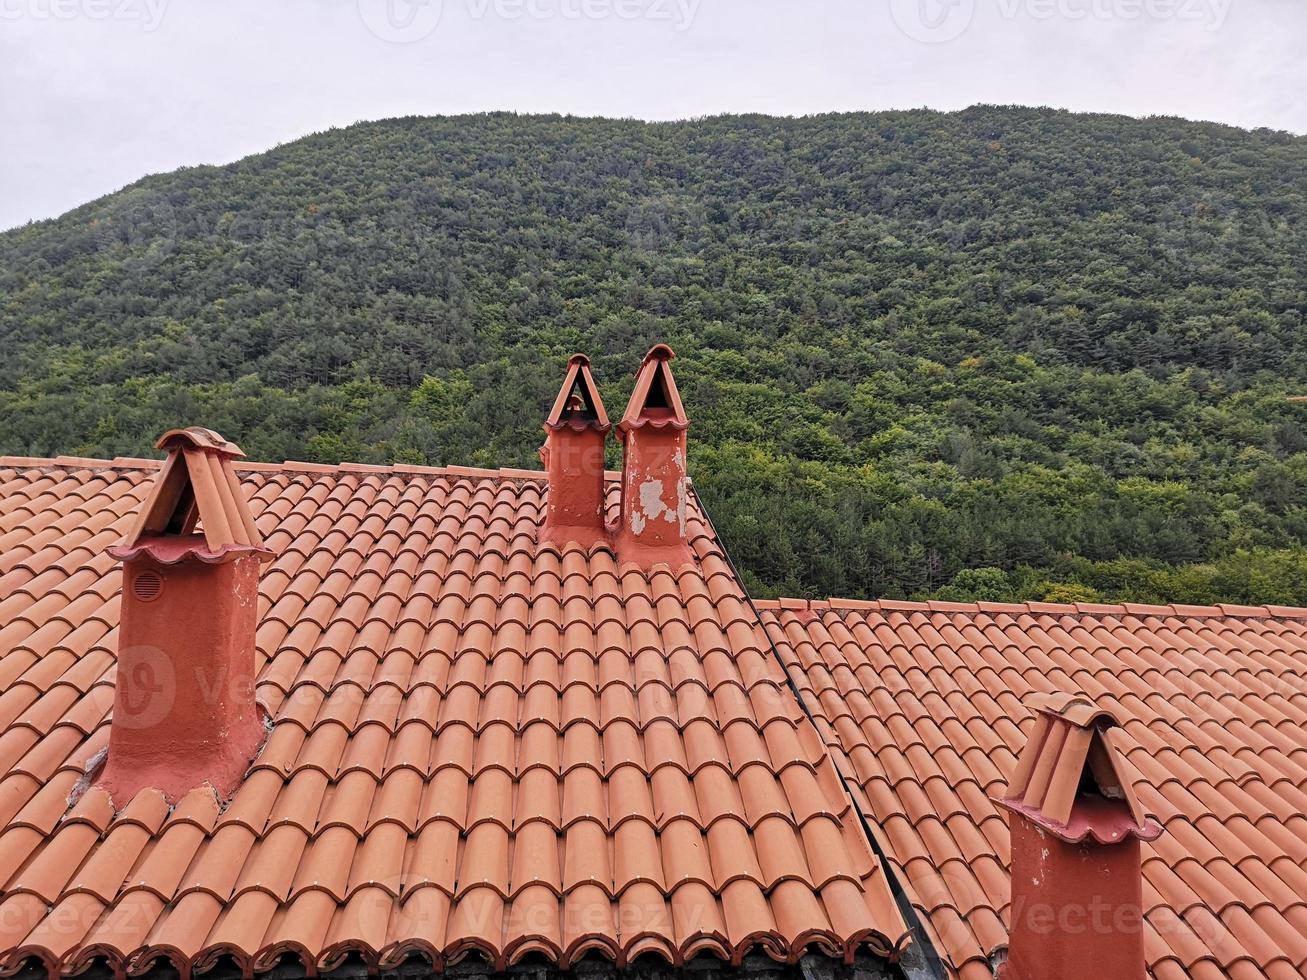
{"x":96,"y":93}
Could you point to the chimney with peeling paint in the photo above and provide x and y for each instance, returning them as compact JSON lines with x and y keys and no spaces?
{"x":651,"y":528}
{"x":184,"y":711}
{"x":573,"y":454}
{"x":1076,"y":824}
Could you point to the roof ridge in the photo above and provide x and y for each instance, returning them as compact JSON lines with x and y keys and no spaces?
{"x":287,"y":466}
{"x":1223,"y":610}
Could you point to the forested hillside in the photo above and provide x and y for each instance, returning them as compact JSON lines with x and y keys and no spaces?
{"x":1001,"y":353}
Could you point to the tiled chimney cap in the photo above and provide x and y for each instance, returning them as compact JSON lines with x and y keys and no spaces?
{"x":196,"y":488}
{"x":655,"y":399}
{"x":660,"y":352}
{"x":578,"y":405}
{"x":1076,"y":709}
{"x":1069,"y":778}
{"x":199,"y":438}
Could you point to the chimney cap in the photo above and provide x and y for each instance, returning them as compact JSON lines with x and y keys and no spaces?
{"x":1076,"y":709}
{"x":1070,"y":779}
{"x":199,"y":437}
{"x":655,"y":399}
{"x":659,"y":352}
{"x":578,"y":382}
{"x":197,"y":488}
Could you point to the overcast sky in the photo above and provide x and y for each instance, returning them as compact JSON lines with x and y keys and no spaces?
{"x":95,"y":94}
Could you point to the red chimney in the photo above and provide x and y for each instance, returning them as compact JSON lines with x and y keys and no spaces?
{"x":573,"y":455}
{"x":1076,"y":824}
{"x":652,"y":523}
{"x":184,"y":711}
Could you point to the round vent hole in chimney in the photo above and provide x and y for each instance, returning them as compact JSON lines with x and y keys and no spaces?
{"x":147,"y":586}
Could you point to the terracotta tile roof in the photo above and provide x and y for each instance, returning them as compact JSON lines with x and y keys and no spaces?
{"x":925,"y":706}
{"x":477,"y":745}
